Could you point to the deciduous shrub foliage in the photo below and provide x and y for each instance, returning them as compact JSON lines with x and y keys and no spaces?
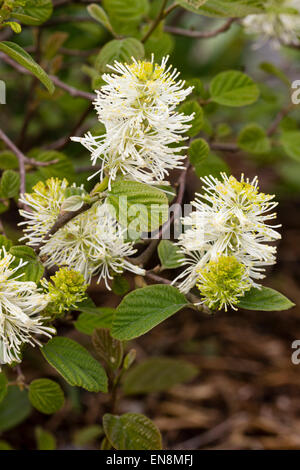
{"x":78,"y":225}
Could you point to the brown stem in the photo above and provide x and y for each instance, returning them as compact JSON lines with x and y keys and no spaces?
{"x":20,"y":156}
{"x":63,"y":141}
{"x":274,"y":126}
{"x":200,"y":34}
{"x":23,"y":160}
{"x":62,"y":220}
{"x":158,"y":19}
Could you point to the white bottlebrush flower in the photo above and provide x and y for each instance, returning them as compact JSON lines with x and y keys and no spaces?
{"x":138,"y":109}
{"x":281,"y":22}
{"x":20,"y":305}
{"x":93,"y":244}
{"x":230,"y":219}
{"x":44,"y":205}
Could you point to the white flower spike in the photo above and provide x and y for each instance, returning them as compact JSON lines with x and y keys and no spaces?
{"x":20,"y":305}
{"x":138,"y":109}
{"x":93,"y":244}
{"x":230,"y":220}
{"x":280,"y":24}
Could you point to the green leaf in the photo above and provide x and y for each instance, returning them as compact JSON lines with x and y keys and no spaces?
{"x":265,"y":299}
{"x":271,"y":69}
{"x":3,"y":386}
{"x":44,"y":439}
{"x":191,"y":5}
{"x":233,"y":88}
{"x":87,"y":435}
{"x":5,"y":242}
{"x":157,"y":374}
{"x":33,"y":270}
{"x":131,"y":431}
{"x":160,"y":44}
{"x":14,"y":409}
{"x":46,"y":396}
{"x":168,"y":255}
{"x":99,"y":15}
{"x":120,"y":285}
{"x":143,"y":309}
{"x":126,"y":10}
{"x":8,"y":160}
{"x":290,"y":140}
{"x":213,"y":165}
{"x":5,"y":445}
{"x":188,"y":108}
{"x":61,"y":169}
{"x":10,"y":184}
{"x":224,"y":8}
{"x":121,"y":50}
{"x":75,"y":364}
{"x":138,"y":206}
{"x":253,"y":139}
{"x":108,"y":348}
{"x":91,"y":319}
{"x":34,"y":12}
{"x":198,"y":152}
{"x":23,"y":58}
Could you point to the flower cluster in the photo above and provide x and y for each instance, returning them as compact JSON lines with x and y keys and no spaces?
{"x":21,"y":304}
{"x":280,"y":23}
{"x":66,"y":289}
{"x":229,"y":222}
{"x":93,"y":243}
{"x":143,"y":131}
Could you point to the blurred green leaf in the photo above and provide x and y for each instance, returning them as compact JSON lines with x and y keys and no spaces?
{"x":121,"y":50}
{"x":14,"y":409}
{"x":290,"y":141}
{"x":192,"y":107}
{"x":253,"y":138}
{"x":224,"y":8}
{"x":157,"y":374}
{"x":10,"y":184}
{"x":34,"y":12}
{"x":3,"y":386}
{"x":44,"y":439}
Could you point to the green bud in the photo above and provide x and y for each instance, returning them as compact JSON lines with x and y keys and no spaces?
{"x":66,"y":289}
{"x":222,"y":282}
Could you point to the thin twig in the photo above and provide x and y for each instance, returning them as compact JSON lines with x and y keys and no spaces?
{"x":280,"y":116}
{"x":200,"y":34}
{"x":62,"y":220}
{"x":71,"y":90}
{"x":23,"y":160}
{"x":156,"y":22}
{"x":63,"y":141}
